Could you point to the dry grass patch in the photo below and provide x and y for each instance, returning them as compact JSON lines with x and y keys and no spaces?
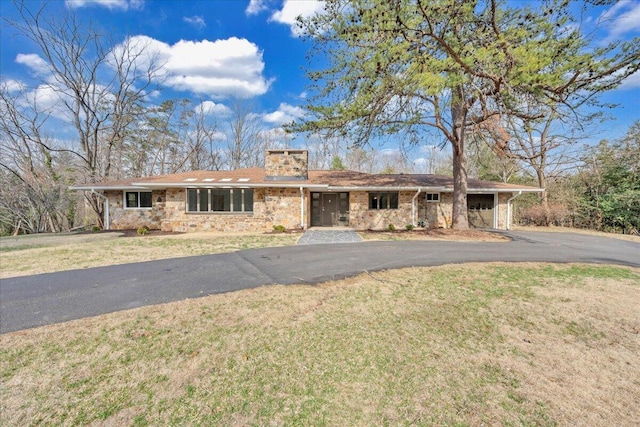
{"x":72,"y":253}
{"x":458,"y":345}
{"x":554,"y":229}
{"x":435,"y":234}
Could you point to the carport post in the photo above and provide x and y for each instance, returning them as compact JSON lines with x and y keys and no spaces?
{"x":509,"y":209}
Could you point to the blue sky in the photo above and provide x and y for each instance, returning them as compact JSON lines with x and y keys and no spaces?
{"x":216,"y":50}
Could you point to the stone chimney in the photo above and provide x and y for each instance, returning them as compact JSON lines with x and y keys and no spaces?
{"x":286,"y":165}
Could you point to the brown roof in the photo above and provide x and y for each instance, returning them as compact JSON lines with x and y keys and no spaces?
{"x":255,"y":177}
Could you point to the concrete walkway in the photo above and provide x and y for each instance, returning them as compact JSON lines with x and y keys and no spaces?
{"x":315,"y":236}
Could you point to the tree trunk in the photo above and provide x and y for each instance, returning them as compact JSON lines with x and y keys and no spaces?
{"x":460,"y":218}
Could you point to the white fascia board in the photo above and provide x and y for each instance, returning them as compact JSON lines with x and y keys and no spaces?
{"x":503,"y":190}
{"x":387,"y":188}
{"x":107,"y":187}
{"x":218,"y":184}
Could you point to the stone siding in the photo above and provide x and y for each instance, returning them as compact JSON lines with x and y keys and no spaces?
{"x":501,"y":209}
{"x":286,"y":164}
{"x":436,"y":214}
{"x":363,"y":218}
{"x":133,"y":218}
{"x":281,"y":206}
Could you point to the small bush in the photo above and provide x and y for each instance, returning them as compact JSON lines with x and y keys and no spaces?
{"x":143,"y":230}
{"x":279,"y":228}
{"x":409,"y":227}
{"x":95,"y":228}
{"x":391,"y":227}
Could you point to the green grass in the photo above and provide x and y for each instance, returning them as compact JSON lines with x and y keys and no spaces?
{"x":420,"y":346}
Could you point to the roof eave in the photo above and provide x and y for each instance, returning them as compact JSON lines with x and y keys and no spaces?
{"x":105,"y":187}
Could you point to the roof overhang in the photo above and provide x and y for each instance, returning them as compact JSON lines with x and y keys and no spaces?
{"x":106,"y":187}
{"x":319,"y":187}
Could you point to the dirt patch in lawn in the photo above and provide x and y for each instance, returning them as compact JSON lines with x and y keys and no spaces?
{"x":435,"y":234}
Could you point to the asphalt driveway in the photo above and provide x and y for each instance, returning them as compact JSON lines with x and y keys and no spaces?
{"x":31,"y":301}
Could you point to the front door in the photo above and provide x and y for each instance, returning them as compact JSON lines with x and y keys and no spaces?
{"x":329,"y":209}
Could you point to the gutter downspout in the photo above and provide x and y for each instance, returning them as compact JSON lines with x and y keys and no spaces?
{"x":302,"y":224}
{"x":413,"y":208}
{"x":107,"y":222}
{"x":509,"y":209}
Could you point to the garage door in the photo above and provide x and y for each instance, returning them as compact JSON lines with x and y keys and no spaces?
{"x":480,"y":210}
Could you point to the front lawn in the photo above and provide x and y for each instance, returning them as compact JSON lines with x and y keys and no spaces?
{"x":51,"y":253}
{"x":497,"y":344}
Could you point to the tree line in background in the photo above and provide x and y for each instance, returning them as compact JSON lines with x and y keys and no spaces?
{"x":403,"y":66}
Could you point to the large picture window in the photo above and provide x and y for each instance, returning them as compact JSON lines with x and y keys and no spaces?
{"x":137,"y":199}
{"x":383,"y":200}
{"x":219,"y":200}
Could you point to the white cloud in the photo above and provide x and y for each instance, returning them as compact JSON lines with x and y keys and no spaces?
{"x":284,"y":114}
{"x":34,"y":62}
{"x":621,"y":18}
{"x":211,"y":108}
{"x":291,"y":9}
{"x":221,"y":68}
{"x":255,"y":7}
{"x":195,"y":21}
{"x":12,"y":86}
{"x":631,"y":82}
{"x":109,"y":4}
{"x":303,"y":95}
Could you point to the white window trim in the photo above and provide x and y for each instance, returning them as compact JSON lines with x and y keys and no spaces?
{"x":137,"y":208}
{"x":426,"y":197}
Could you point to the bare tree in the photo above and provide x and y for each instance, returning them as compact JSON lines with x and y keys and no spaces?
{"x":33,"y":194}
{"x":243,"y":128}
{"x":101,"y":111}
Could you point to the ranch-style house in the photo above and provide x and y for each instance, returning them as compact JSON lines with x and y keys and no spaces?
{"x":285,"y":192}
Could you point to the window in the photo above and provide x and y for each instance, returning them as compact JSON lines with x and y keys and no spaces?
{"x":383,"y":200}
{"x":219,"y":200}
{"x":137,"y":199}
{"x":433,"y":197}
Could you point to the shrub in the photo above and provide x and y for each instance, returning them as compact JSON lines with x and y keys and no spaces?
{"x":409,"y":227}
{"x":554,"y":214}
{"x":143,"y":230}
{"x":95,"y":228}
{"x":279,"y":228}
{"x":392,"y":227}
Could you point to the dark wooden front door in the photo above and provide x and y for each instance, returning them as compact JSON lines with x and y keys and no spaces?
{"x":329,"y":209}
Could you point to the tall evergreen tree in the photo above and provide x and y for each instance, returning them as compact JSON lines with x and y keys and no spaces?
{"x":403,"y":66}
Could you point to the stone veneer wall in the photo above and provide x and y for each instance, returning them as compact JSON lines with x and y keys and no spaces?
{"x":281,"y":206}
{"x":286,"y":164}
{"x":501,"y":209}
{"x":126,"y":219}
{"x":436,"y":215}
{"x":271,"y":206}
{"x":363,"y":218}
